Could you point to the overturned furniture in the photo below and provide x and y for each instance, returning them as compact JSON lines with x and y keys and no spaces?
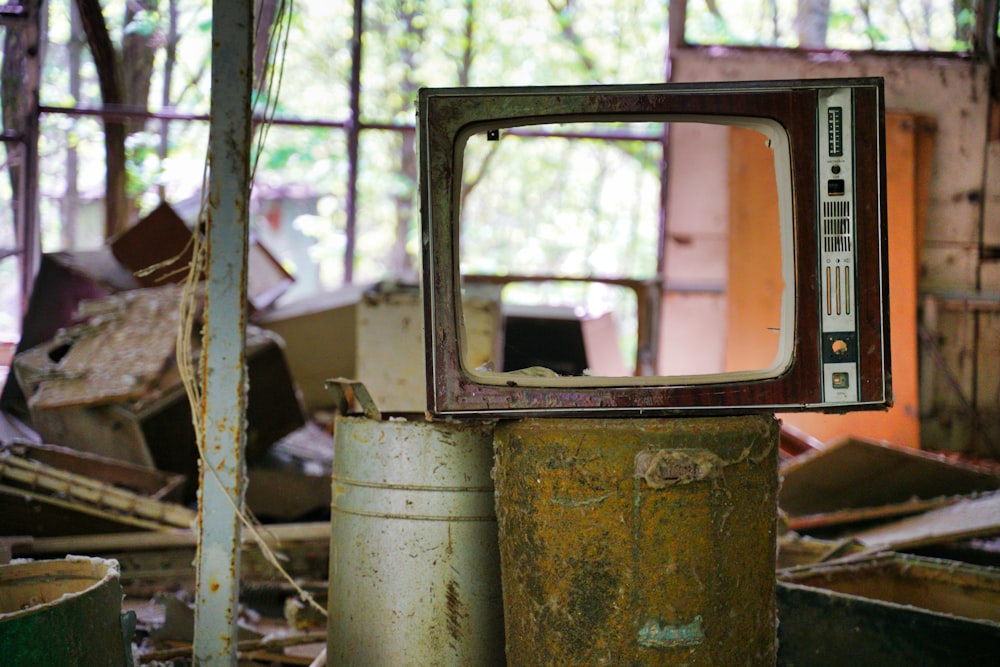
{"x":109,"y":385}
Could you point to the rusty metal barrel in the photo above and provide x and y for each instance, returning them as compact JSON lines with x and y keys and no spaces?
{"x":414,"y":560}
{"x":638,"y":541}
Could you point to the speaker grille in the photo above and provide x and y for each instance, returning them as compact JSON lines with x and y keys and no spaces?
{"x":837,"y":226}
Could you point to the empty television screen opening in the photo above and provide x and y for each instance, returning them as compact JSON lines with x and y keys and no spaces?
{"x":564,"y":223}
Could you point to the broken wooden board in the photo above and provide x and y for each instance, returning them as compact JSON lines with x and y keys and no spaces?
{"x":969,"y":518}
{"x":163,"y":559}
{"x":117,"y":353}
{"x":157,"y":249}
{"x":142,"y":480}
{"x":825,"y":520}
{"x":796,"y":551}
{"x":40,"y":499}
{"x":855,"y":473}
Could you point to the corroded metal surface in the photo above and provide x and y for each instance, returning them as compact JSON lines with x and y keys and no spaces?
{"x":414,"y":561}
{"x":638,"y":542}
{"x":223,"y":358}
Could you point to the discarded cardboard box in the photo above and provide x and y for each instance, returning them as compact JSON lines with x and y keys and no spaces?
{"x":373,"y":334}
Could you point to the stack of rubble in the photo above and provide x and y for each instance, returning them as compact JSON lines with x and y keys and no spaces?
{"x":98,"y":452}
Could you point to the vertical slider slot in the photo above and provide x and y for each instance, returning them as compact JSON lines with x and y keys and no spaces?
{"x":829,"y":301}
{"x":847,"y":291}
{"x":838,"y":290}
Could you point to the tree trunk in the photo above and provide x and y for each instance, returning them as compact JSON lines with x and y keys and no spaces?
{"x":401,"y":262}
{"x":109,"y":77}
{"x":139,"y":44}
{"x":71,"y":201}
{"x":16,"y":102}
{"x":169,"y":60}
{"x":811,"y":23}
{"x":267,"y":11}
{"x":13,"y":100}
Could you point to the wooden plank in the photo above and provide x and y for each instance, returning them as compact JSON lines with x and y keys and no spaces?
{"x":973,"y":518}
{"x":854,"y":473}
{"x":280,"y":535}
{"x":755,"y":281}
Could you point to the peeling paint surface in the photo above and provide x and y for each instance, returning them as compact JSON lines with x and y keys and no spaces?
{"x":222,"y":429}
{"x":654,"y":635}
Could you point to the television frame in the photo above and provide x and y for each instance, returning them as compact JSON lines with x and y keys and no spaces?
{"x":831,"y":148}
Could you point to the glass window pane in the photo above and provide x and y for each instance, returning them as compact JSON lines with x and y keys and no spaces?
{"x":411,"y":44}
{"x":315,"y":76}
{"x":298,"y":204}
{"x":387,"y":224}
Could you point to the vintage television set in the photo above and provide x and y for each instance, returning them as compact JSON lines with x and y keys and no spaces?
{"x":827,"y":141}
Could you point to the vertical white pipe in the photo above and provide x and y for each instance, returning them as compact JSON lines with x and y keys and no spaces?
{"x":224,"y":337}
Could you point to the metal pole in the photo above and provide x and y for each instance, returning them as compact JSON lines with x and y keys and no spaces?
{"x":223,"y":370}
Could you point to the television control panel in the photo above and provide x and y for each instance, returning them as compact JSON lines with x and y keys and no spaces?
{"x":837,"y":252}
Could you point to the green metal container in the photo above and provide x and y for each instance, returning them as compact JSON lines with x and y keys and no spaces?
{"x":63,"y":612}
{"x":638,"y":541}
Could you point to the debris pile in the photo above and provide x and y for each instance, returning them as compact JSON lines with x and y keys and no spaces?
{"x":890,"y":553}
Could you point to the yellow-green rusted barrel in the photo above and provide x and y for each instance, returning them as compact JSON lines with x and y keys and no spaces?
{"x":638,"y":541}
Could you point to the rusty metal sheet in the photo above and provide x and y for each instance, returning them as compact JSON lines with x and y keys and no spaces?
{"x":890,"y":610}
